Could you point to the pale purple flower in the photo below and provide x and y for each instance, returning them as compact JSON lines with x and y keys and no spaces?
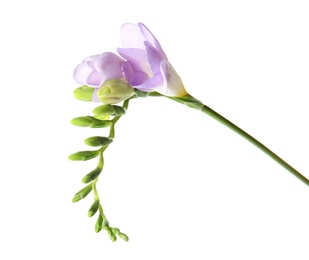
{"x":147,"y":67}
{"x":96,"y":69}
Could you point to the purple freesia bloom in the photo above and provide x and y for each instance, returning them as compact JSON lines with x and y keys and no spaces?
{"x":147,"y":67}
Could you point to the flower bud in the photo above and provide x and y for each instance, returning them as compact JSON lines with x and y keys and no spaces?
{"x":82,"y":193}
{"x":123,"y":236}
{"x":103,"y":112}
{"x":94,"y":208}
{"x":114,"y":91}
{"x":84,"y":155}
{"x":119,"y":111}
{"x":92,"y":175}
{"x":101,"y":123}
{"x":85,"y":121}
{"x":98,"y":141}
{"x":111,"y":234}
{"x":82,"y":121}
{"x":115,"y":230}
{"x":84,"y":93}
{"x":98,"y":224}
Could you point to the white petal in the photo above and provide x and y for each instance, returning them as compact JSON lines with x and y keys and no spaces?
{"x":132,"y":37}
{"x":172,"y":84}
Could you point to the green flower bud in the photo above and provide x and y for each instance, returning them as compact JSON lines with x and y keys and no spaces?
{"x":94,"y":208}
{"x":82,"y":193}
{"x":115,"y":230}
{"x":98,"y":224}
{"x":103,"y":112}
{"x":100,"y":123}
{"x":85,"y":121}
{"x":119,"y":111}
{"x":105,"y":224}
{"x":82,"y":121}
{"x":111,"y":234}
{"x":92,"y":175}
{"x":98,"y":141}
{"x":114,"y":91}
{"x":84,"y":155}
{"x":123,"y":236}
{"x":84,"y":93}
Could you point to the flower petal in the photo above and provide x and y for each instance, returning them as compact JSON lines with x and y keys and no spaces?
{"x":138,"y":78}
{"x":95,"y":79}
{"x":95,"y":97}
{"x":108,"y":65}
{"x":138,"y":59}
{"x":151,"y":84}
{"x":150,"y":38}
{"x":83,"y":70}
{"x":133,"y":76}
{"x":154,"y":58}
{"x":172,"y":84}
{"x":132,"y":37}
{"x":128,"y":70}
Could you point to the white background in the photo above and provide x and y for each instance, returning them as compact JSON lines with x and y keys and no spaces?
{"x":177,"y":182}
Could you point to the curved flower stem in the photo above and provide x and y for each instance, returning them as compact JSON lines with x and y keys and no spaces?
{"x":190,"y":101}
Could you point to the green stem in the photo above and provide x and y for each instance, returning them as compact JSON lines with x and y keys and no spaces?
{"x":94,"y":188}
{"x":207,"y":110}
{"x":101,"y":161}
{"x":192,"y":102}
{"x":115,"y":119}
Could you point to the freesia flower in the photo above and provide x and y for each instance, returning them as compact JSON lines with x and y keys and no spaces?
{"x":111,"y":79}
{"x":96,"y":69}
{"x":147,"y":67}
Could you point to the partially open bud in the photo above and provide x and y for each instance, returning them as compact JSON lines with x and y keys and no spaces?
{"x":114,"y":91}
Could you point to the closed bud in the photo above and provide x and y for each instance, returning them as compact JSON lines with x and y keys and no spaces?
{"x":98,"y":224}
{"x":84,"y":155}
{"x":123,"y":236}
{"x":82,"y":193}
{"x":115,"y":230}
{"x":103,"y":111}
{"x":114,"y":91}
{"x":84,"y":93}
{"x":105,"y":224}
{"x":100,"y":123}
{"x":94,"y":208}
{"x":92,"y":175}
{"x":85,"y":121}
{"x":111,"y":234}
{"x":119,"y":111}
{"x":98,"y":141}
{"x":82,"y":121}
